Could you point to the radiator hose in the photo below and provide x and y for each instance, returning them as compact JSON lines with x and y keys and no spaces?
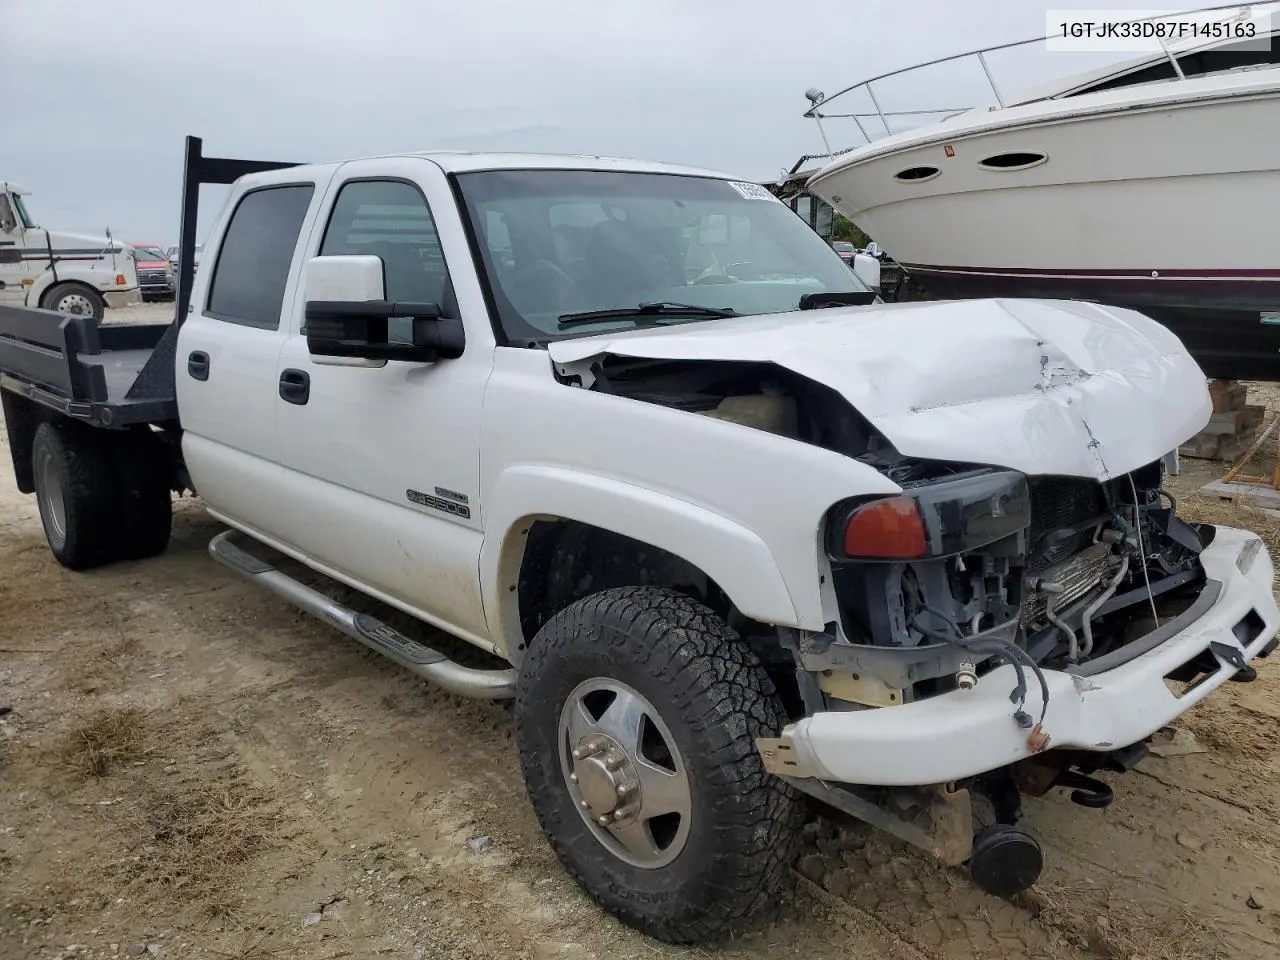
{"x":1091,"y":611}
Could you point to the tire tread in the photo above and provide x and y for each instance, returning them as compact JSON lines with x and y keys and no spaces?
{"x":755,"y":816}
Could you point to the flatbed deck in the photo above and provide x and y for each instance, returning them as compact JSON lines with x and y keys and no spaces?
{"x":101,"y":374}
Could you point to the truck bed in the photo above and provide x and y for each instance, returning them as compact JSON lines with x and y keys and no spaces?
{"x":112,"y":375}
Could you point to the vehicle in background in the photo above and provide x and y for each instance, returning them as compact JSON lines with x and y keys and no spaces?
{"x":867,"y":268}
{"x":68,"y":272}
{"x":733,"y":532}
{"x":195,"y":257}
{"x":155,"y":272}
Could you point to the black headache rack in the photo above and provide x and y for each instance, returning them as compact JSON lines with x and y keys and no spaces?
{"x":115,"y":375}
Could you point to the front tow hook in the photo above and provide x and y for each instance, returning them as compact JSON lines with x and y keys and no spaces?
{"x":1232,"y":655}
{"x":1088,"y":792}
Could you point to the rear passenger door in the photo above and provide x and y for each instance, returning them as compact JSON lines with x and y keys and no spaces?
{"x":385,"y":459}
{"x":228,"y":348}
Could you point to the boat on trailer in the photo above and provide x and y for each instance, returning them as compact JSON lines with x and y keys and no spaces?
{"x":1153,"y":183}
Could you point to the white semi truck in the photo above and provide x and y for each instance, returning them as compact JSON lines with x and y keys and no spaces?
{"x":67,"y":272}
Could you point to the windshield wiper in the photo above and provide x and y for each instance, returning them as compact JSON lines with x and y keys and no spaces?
{"x":820,"y":301}
{"x":663,"y":308}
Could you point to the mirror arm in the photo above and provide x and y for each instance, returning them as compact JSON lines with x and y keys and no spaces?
{"x":373,"y":309}
{"x":444,"y":335}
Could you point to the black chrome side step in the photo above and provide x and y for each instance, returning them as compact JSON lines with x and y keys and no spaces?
{"x":373,"y":633}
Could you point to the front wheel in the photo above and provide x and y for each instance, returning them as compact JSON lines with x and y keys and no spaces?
{"x":75,"y":299}
{"x":636,"y":717}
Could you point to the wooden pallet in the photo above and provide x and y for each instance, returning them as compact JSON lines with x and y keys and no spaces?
{"x":1228,"y":432}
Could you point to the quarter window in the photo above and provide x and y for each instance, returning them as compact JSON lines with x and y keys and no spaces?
{"x":390,"y":219}
{"x":255,"y":255}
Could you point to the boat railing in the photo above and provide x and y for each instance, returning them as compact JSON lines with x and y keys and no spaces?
{"x":871,"y":131}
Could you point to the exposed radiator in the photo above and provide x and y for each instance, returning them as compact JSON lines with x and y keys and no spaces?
{"x":1078,"y":575}
{"x":1058,"y":503}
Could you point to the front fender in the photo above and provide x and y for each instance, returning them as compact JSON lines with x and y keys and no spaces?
{"x":733,"y":556}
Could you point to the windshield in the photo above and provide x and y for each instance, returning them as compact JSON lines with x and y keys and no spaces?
{"x":21,"y":209}
{"x":149,"y":253}
{"x":562,"y":242}
{"x":841,"y":246}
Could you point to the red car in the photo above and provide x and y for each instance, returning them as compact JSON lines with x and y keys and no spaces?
{"x":845,"y":249}
{"x":155,"y":273}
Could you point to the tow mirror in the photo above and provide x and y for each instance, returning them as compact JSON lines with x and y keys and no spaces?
{"x":867,"y":269}
{"x":348,"y":317}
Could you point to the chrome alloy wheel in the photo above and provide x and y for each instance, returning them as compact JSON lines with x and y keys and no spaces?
{"x":51,"y":498}
{"x":76,"y":303}
{"x":624,"y":772}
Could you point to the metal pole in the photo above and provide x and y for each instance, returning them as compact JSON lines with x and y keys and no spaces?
{"x":872,"y":94}
{"x":991,"y":80}
{"x":1177,"y":67}
{"x":818,"y":117}
{"x":187,"y":227}
{"x":861,"y":129}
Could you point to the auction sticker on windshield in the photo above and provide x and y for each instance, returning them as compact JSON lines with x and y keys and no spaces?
{"x":752,"y":191}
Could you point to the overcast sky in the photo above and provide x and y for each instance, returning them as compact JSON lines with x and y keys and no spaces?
{"x":100,"y":94}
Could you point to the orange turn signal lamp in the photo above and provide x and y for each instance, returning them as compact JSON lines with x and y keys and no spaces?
{"x":887,"y":529}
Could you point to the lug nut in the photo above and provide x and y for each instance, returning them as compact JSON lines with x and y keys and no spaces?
{"x":604,"y":821}
{"x":573,"y":778}
{"x":623,"y":789}
{"x":584,"y":805}
{"x":578,"y":754}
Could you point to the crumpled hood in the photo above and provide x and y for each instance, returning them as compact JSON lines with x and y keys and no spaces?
{"x":1042,"y":386}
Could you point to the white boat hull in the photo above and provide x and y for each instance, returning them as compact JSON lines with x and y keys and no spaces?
{"x":1171,"y":202}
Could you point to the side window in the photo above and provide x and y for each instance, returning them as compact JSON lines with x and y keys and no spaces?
{"x":389,"y":219}
{"x":255,"y":255}
{"x":8,"y":222}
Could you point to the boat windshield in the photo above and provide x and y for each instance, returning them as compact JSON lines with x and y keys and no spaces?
{"x":560,"y":244}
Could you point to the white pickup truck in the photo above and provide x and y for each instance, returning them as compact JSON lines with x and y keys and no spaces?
{"x":732,"y":532}
{"x":60,"y":271}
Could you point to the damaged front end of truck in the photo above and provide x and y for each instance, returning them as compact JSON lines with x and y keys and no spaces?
{"x":1028,"y":608}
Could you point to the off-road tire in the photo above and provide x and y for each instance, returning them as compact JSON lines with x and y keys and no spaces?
{"x":79,"y":465}
{"x":143,"y":471}
{"x":58,"y":291}
{"x":716,"y":698}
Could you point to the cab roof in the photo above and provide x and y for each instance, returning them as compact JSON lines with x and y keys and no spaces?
{"x":460,"y":161}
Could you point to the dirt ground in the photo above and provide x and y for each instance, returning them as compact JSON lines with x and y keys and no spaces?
{"x":192,"y":769}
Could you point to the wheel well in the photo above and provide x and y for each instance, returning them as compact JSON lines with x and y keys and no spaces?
{"x":566,"y":560}
{"x":44,"y":297}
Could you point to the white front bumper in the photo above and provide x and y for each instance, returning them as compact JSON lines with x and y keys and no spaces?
{"x":964,"y":733}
